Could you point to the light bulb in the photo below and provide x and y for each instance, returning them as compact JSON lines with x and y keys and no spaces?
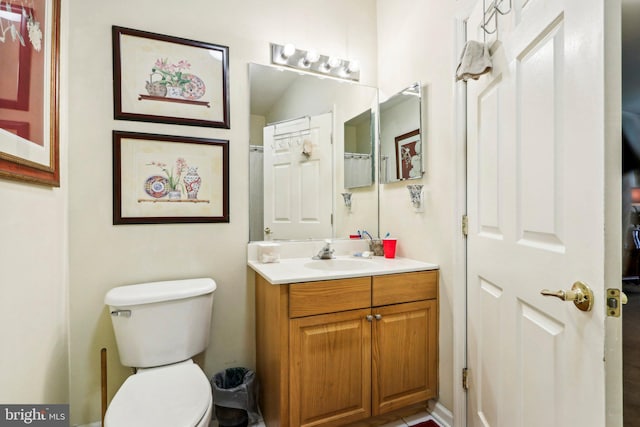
{"x":288,"y":50}
{"x":334,"y":62}
{"x":310,"y":57}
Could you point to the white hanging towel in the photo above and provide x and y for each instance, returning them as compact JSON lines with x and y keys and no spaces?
{"x":474,"y":61}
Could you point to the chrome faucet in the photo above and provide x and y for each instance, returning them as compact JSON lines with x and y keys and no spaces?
{"x":326,"y":252}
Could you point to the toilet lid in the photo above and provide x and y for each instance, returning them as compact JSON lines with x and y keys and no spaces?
{"x":172,"y":396}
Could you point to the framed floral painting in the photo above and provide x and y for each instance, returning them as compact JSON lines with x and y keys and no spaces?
{"x":169,"y":179}
{"x":29,"y":63}
{"x":165,"y":79}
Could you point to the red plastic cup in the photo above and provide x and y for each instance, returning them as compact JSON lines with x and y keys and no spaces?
{"x":389,"y":247}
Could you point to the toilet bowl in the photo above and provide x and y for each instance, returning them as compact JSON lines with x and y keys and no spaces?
{"x":177,"y":395}
{"x":159,"y":326}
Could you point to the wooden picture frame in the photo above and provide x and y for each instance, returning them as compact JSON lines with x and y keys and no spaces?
{"x":408,"y":155}
{"x":29,"y":91}
{"x":165,"y":79}
{"x":160,"y":179}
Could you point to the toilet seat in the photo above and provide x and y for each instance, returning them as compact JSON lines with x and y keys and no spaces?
{"x":176,"y":395}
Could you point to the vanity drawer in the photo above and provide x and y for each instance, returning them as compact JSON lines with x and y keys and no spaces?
{"x":329,"y":296}
{"x":405,"y":287}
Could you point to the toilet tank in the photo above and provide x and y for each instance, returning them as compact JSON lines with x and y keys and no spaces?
{"x":160,"y":323}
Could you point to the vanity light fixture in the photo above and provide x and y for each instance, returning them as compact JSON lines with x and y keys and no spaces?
{"x":311,"y":61}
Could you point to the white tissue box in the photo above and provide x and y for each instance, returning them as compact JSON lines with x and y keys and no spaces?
{"x":268,"y":252}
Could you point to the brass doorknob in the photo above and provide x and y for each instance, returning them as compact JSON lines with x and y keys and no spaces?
{"x":580,"y":294}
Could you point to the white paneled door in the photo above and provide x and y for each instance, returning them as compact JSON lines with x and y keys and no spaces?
{"x":298,"y":178}
{"x":536,"y":207}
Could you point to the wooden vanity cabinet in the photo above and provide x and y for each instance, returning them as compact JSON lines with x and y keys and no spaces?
{"x":340,"y":351}
{"x":405,"y":340}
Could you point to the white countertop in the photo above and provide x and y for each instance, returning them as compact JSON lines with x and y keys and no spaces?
{"x":292,"y":270}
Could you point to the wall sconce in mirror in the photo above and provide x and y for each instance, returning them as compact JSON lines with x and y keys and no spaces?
{"x":417,"y":197}
{"x":347,"y":200}
{"x":311,"y":61}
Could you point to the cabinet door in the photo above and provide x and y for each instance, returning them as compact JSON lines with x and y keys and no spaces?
{"x":330,"y":358}
{"x":404,"y":355}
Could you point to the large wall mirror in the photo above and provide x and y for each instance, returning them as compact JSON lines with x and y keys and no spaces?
{"x":401,"y":136}
{"x":297,"y":156}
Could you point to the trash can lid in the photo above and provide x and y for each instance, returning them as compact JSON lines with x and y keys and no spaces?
{"x":171,"y":396}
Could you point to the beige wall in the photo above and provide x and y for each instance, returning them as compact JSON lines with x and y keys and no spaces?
{"x":416,"y":42}
{"x":101,"y":255}
{"x":33,"y":306}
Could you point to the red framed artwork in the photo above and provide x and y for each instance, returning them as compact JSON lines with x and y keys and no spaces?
{"x":29,"y":56}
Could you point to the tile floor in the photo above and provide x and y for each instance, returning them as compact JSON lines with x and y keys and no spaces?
{"x":412,"y":420}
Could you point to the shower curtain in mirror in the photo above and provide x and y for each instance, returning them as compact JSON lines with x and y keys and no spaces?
{"x":357,"y":170}
{"x":256,"y":193}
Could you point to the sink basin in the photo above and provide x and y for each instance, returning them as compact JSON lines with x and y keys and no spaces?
{"x":339,"y":264}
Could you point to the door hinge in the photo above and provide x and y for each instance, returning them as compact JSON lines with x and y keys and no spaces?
{"x":465,"y":225}
{"x":465,"y":379}
{"x":331,"y":219}
{"x":615,"y":300}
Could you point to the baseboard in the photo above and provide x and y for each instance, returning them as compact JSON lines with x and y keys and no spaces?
{"x":441,"y":414}
{"x":93,"y":424}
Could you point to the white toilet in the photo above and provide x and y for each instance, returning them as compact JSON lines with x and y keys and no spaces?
{"x":158,"y":327}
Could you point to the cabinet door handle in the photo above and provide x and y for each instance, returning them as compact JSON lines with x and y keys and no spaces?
{"x":369,"y":318}
{"x":378,"y":316}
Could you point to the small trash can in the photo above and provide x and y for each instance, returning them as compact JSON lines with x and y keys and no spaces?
{"x":235,"y":395}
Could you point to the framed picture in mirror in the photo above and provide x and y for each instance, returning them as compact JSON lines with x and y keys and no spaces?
{"x":408,"y":155}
